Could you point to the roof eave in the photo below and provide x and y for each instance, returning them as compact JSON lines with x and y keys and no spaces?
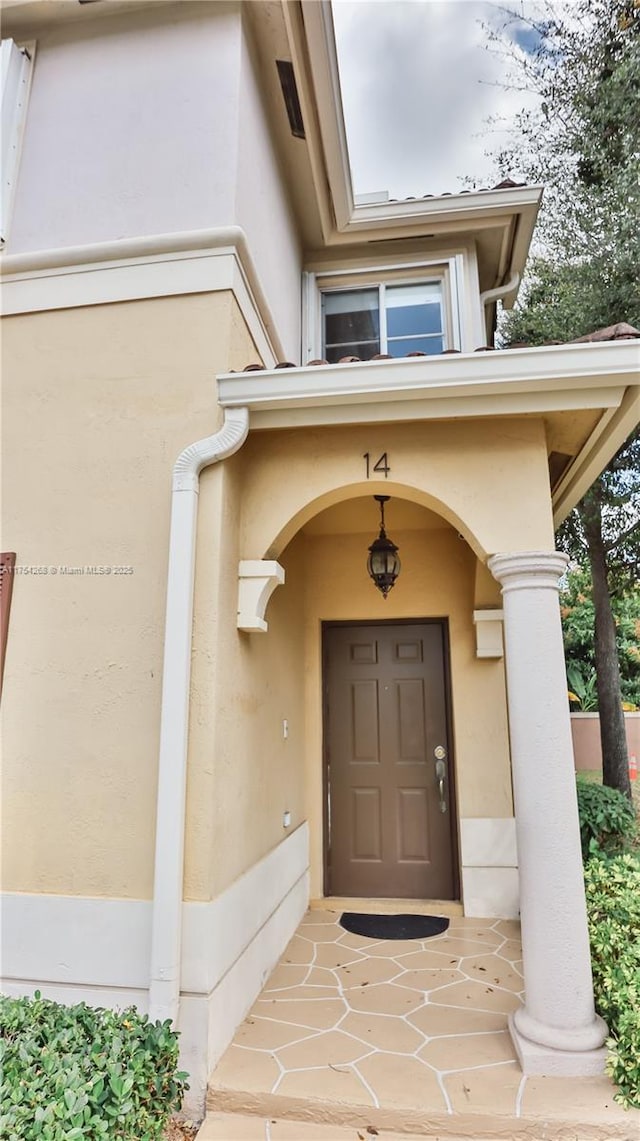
{"x":311,"y":38}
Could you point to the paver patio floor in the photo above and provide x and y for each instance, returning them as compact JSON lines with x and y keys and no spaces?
{"x":408,"y":1036}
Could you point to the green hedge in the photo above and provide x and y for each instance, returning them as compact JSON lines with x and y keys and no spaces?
{"x":76,"y":1073}
{"x":607,"y":819}
{"x":613,"y":905}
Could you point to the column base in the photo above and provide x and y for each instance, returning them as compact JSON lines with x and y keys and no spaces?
{"x":546,"y":1062}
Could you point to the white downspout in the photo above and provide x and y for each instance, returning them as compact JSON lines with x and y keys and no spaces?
{"x":490,"y":295}
{"x":166,"y":931}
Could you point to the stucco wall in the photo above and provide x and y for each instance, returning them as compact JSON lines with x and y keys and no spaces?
{"x":489,"y":479}
{"x":263,"y":210}
{"x":587,"y":749}
{"x":132,"y":126}
{"x":243,"y":772}
{"x":479,"y":475}
{"x":97,"y":404}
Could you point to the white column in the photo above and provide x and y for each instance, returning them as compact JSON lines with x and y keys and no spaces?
{"x":557,"y":1030}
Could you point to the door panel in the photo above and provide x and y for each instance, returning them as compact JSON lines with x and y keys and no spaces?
{"x":385,"y":714}
{"x":364,"y":721}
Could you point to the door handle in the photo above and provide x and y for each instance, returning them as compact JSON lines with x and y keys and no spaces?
{"x":441,"y":772}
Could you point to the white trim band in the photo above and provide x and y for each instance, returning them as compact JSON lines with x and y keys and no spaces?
{"x":130,"y":269}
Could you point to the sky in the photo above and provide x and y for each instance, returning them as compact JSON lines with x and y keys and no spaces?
{"x":419,"y":86}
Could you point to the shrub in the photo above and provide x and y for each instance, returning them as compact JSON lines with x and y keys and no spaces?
{"x":607,"y":819}
{"x":613,"y":905}
{"x":75,"y":1073}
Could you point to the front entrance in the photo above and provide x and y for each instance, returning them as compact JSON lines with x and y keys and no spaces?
{"x":389,"y":827}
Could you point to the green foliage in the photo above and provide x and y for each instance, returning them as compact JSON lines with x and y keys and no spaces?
{"x":583,"y":693}
{"x":612,"y":508}
{"x":578,"y":619}
{"x":581,"y":140}
{"x":607,"y":819}
{"x":565,"y":300}
{"x":613,"y":906}
{"x":76,"y":1073}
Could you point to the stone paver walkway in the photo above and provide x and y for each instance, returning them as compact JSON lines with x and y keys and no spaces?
{"x":394,"y":1035}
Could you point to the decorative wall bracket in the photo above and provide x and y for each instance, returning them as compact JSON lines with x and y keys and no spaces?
{"x":488,"y":624}
{"x":257,"y":580}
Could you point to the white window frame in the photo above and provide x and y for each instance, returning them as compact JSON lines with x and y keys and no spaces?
{"x":16,"y":68}
{"x":445,"y":271}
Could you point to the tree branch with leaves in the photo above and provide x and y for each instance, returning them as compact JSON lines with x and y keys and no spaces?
{"x":582,"y":140}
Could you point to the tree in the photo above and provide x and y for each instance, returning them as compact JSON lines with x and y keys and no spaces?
{"x":578,"y":618}
{"x":582,"y":140}
{"x":606,"y":527}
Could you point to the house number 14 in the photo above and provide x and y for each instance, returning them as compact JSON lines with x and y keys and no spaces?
{"x":381,"y":464}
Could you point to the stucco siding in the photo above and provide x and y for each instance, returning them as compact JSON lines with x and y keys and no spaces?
{"x":97,"y":405}
{"x":243,"y":772}
{"x":132,"y":126}
{"x":263,"y":209}
{"x":488,"y":479}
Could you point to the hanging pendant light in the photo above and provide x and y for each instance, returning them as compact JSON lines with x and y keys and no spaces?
{"x":383,"y":563}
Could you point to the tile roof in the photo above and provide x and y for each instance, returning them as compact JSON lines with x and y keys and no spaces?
{"x":506,"y":184}
{"x":620,"y":332}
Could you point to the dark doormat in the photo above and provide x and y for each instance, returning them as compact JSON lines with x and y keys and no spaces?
{"x":393,"y":926}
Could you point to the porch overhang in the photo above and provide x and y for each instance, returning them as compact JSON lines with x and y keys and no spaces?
{"x":554,"y":382}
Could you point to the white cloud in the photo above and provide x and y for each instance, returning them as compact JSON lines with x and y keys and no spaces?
{"x":419,"y":85}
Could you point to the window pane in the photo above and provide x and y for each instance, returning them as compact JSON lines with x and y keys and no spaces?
{"x":406,"y":345}
{"x":350,"y":316}
{"x":413,"y":309}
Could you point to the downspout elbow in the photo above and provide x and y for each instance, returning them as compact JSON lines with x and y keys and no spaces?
{"x":212,"y":449}
{"x":496,"y":294}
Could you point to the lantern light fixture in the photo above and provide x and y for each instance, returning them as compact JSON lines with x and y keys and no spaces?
{"x":383,"y":563}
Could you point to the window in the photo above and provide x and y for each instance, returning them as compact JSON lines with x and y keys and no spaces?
{"x":15,"y":74}
{"x":368,"y":308}
{"x":386,"y":318}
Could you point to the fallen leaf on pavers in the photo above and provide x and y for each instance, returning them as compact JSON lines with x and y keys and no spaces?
{"x":339,"y":1069}
{"x":360,"y":1136}
{"x":466,"y":1091}
{"x":372,"y":1130}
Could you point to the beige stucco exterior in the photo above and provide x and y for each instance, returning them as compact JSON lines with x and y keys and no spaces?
{"x":475,"y":474}
{"x":89,"y":647}
{"x":97,"y":403}
{"x":178,"y":244}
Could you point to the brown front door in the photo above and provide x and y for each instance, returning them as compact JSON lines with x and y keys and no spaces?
{"x":385,"y":730}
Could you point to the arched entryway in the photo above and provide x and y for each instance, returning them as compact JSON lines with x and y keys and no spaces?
{"x":387,"y":693}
